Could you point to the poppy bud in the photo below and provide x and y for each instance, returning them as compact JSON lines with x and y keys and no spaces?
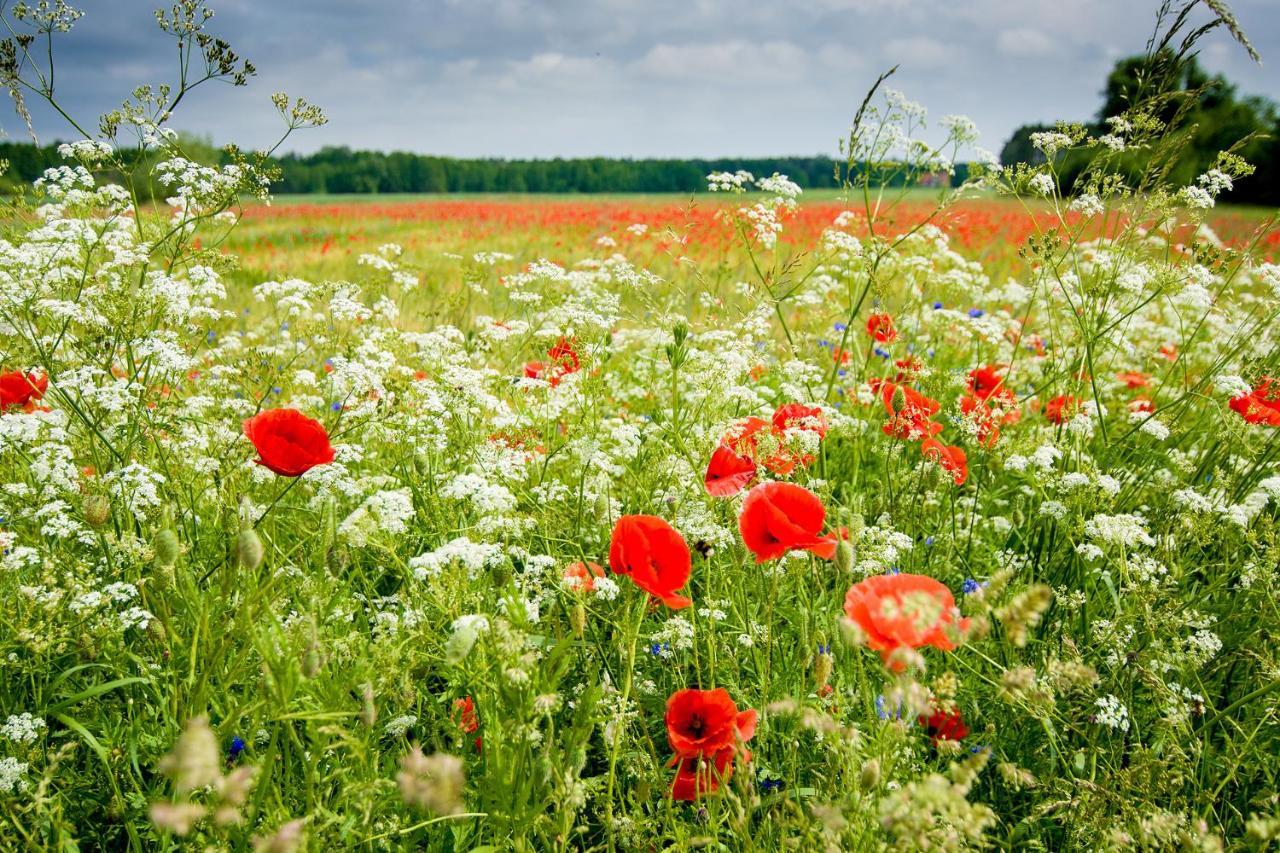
{"x":156,"y":630}
{"x":249,"y":551}
{"x":422,"y":463}
{"x":166,"y":548}
{"x":899,"y":400}
{"x":844,"y":556}
{"x":460,"y":644}
{"x":603,"y":507}
{"x":870,"y":776}
{"x":97,"y":509}
{"x":368,"y":711}
{"x":578,"y":619}
{"x":311,"y":659}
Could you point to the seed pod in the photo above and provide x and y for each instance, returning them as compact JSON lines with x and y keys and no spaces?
{"x":97,"y":509}
{"x":249,"y":551}
{"x":578,"y":619}
{"x":166,"y":547}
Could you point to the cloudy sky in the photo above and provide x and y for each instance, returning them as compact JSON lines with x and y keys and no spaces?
{"x":531,"y":78}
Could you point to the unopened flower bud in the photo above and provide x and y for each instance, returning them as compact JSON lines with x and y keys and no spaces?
{"x":249,"y":551}
{"x":166,"y":547}
{"x":97,"y":509}
{"x":578,"y":619}
{"x":368,"y":711}
{"x":844,"y":556}
{"x":899,"y":401}
{"x":311,"y":660}
{"x":870,"y":776}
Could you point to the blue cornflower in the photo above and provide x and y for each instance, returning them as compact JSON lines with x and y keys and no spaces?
{"x":937,"y":306}
{"x":840,"y":327}
{"x":237,"y":747}
{"x":928,"y":541}
{"x":336,"y":405}
{"x":976,"y":312}
{"x":824,"y":648}
{"x":767,"y":785}
{"x":211,"y":336}
{"x":970,"y":586}
{"x":883,"y":711}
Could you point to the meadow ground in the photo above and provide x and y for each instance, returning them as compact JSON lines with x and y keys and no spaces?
{"x":726,"y":522}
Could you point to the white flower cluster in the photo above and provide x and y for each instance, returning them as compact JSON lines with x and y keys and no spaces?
{"x":1112,"y":713}
{"x":22,"y":728}
{"x":387,"y":513}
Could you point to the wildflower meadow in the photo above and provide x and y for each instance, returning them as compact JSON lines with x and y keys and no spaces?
{"x":903,"y":517}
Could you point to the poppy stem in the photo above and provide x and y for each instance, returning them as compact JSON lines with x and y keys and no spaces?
{"x":620,"y":722}
{"x":292,"y":482}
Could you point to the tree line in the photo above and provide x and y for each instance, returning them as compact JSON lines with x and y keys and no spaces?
{"x":1205,"y":114}
{"x":1214,"y":119}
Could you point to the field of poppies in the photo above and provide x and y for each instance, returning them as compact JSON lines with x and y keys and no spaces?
{"x":894,"y":519}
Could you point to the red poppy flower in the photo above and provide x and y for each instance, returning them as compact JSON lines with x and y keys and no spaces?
{"x":464,"y":714}
{"x":654,"y":555}
{"x":1142,"y":404}
{"x":697,"y":777}
{"x":880,"y":327}
{"x":984,"y":419}
{"x":288,"y":442}
{"x":985,"y":381}
{"x":21,"y":390}
{"x":950,"y":457}
{"x":913,"y":420}
{"x":728,"y":473}
{"x":1261,"y":405}
{"x":909,"y":369}
{"x":705,"y":722}
{"x":781,"y":517}
{"x":944,"y":726}
{"x":582,"y":576}
{"x":789,"y":419}
{"x":900,"y":610}
{"x":1061,"y":409}
{"x":1134,"y":379}
{"x":563,"y":361}
{"x":799,"y":416}
{"x":743,"y":437}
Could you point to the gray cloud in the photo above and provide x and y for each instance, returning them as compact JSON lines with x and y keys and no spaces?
{"x":615,"y":77}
